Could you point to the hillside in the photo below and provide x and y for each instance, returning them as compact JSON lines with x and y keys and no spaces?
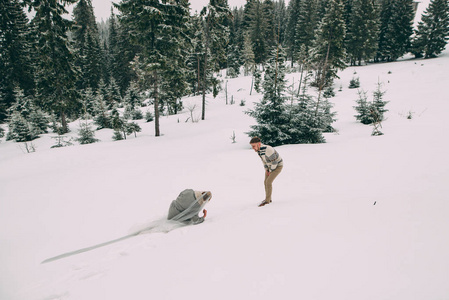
{"x":322,"y":238}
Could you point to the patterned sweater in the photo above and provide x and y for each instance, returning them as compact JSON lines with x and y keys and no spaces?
{"x":270,"y":157}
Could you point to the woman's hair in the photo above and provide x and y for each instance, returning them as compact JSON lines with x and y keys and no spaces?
{"x":254,"y":140}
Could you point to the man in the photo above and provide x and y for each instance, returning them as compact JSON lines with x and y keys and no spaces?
{"x":272,"y":163}
{"x":187,"y":206}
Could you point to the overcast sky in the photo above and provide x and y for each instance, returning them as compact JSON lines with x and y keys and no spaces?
{"x":102,"y":8}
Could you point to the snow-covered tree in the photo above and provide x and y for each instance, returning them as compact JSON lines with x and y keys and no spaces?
{"x":306,"y":28}
{"x":270,"y":113}
{"x":291,"y":26}
{"x":215,"y":37}
{"x":15,"y":54}
{"x":248,"y":56}
{"x":133,"y":100}
{"x":158,"y":34}
{"x":396,"y":28}
{"x":328,"y":51}
{"x":102,"y":117}
{"x":258,"y":28}
{"x":362,"y":34}
{"x":30,"y":112}
{"x":433,"y":30}
{"x":87,"y":45}
{"x":370,"y":112}
{"x":20,"y":130}
{"x":86,"y":134}
{"x":56,"y":73}
{"x":88,"y":100}
{"x":120,"y":52}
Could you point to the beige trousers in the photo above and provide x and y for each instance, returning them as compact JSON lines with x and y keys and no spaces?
{"x":269,"y":182}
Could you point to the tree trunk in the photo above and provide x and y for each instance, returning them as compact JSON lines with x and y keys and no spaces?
{"x":65,"y":128}
{"x":156,"y":105}
{"x":203,"y":112}
{"x":322,"y":80}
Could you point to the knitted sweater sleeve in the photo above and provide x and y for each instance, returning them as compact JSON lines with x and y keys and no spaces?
{"x":272,"y":158}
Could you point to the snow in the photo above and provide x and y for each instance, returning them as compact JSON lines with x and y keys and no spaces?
{"x":359,"y":217}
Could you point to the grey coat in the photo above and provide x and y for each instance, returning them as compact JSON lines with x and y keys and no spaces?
{"x":186,"y":208}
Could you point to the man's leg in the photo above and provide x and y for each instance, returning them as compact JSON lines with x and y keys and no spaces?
{"x":269,"y":183}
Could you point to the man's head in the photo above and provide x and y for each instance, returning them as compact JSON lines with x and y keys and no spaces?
{"x":255,"y":143}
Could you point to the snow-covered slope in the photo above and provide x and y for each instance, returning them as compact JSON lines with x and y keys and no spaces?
{"x":322,"y":238}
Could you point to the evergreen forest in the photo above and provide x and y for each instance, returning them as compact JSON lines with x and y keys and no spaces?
{"x":56,"y":67}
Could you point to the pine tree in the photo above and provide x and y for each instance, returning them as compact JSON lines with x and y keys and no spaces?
{"x":270,"y":113}
{"x":20,"y":130}
{"x":280,"y":17}
{"x":433,"y":30}
{"x":215,"y":37}
{"x":158,"y":34}
{"x":396,"y":29}
{"x":236,"y":43}
{"x":329,"y":52}
{"x":101,"y":115}
{"x":87,"y":45}
{"x":272,"y":28}
{"x":306,"y":28}
{"x":294,"y":14}
{"x":88,"y":99}
{"x":86,"y":135}
{"x":385,"y":15}
{"x":28,"y":110}
{"x":233,"y":69}
{"x":259,"y":29}
{"x":363,"y":31}
{"x":248,"y":56}
{"x":133,"y":100}
{"x":304,"y":126}
{"x":15,"y":52}
{"x":370,"y":112}
{"x":56,"y":72}
{"x":121,"y":52}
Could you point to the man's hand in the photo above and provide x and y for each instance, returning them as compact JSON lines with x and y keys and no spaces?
{"x":205,"y":213}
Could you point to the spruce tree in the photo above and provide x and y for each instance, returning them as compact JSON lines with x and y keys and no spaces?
{"x":270,"y":113}
{"x":215,"y":37}
{"x":101,"y":115}
{"x":248,"y":56}
{"x":30,"y":112}
{"x":133,"y":101}
{"x":88,"y":99}
{"x":280,"y":17}
{"x":20,"y":130}
{"x":121,"y":52}
{"x":236,"y":44}
{"x":233,"y":69}
{"x":158,"y":34}
{"x":56,"y":73}
{"x":306,"y":28}
{"x":86,"y":135}
{"x":257,"y":28}
{"x":363,"y":31}
{"x":195,"y":61}
{"x":370,"y":112}
{"x":396,"y":29}
{"x":433,"y":30}
{"x":87,"y":44}
{"x":15,"y":54}
{"x":329,"y":51}
{"x":293,"y":17}
{"x":385,"y":15}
